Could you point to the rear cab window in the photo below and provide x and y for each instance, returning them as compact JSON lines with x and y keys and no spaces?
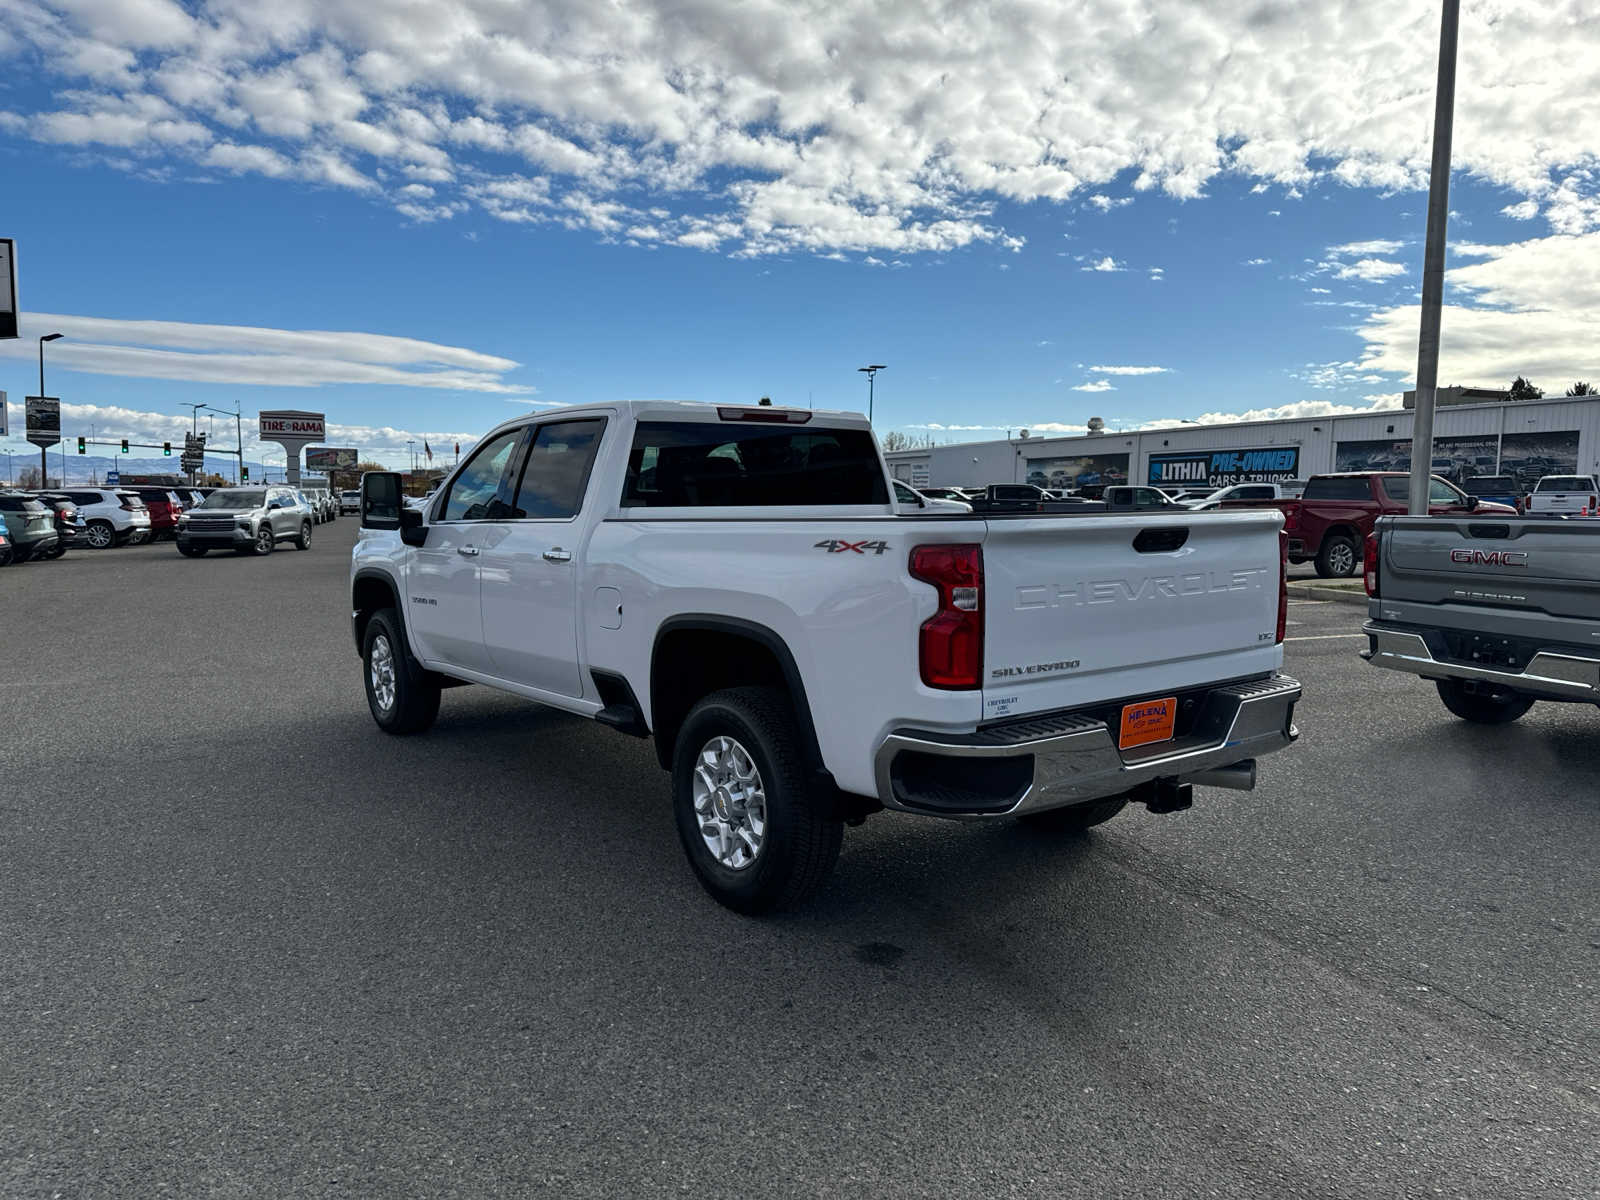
{"x":724,"y":464}
{"x":1345,"y":487}
{"x":1565,"y":483}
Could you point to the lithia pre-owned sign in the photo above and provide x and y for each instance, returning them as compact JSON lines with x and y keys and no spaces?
{"x":1222,"y":468}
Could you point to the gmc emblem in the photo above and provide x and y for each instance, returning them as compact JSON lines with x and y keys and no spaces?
{"x":1490,"y":558}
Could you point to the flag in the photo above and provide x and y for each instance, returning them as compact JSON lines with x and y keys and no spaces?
{"x":428,"y":450}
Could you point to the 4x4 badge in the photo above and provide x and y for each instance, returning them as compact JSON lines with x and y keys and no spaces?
{"x":839,"y":546}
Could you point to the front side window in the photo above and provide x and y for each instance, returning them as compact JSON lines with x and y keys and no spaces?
{"x":557,"y":472}
{"x":472,"y":493}
{"x":1440,"y":492}
{"x":723,"y":464}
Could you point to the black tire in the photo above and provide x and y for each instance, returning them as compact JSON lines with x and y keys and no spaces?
{"x":1485,"y":706}
{"x":100,"y":535}
{"x":800,"y":837}
{"x":1075,"y":819}
{"x":192,"y":551}
{"x":1338,"y":557}
{"x":304,"y":540}
{"x":415,"y":702}
{"x":265,"y":539}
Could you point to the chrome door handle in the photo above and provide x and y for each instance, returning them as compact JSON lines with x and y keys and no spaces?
{"x":469,"y":551}
{"x":557,"y":554}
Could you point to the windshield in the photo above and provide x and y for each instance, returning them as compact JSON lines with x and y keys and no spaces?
{"x":1489,"y":485}
{"x":235,"y":498}
{"x":1565,"y":483}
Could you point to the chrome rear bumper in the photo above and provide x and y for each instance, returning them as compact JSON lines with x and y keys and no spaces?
{"x":1034,"y":764}
{"x":1549,"y":675}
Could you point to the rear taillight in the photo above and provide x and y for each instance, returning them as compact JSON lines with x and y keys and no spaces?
{"x":1291,"y":519}
{"x":950,"y":646}
{"x":1372,"y":564}
{"x":1283,"y":586}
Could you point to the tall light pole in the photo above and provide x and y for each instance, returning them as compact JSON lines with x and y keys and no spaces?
{"x":871,"y":372}
{"x":1444,"y":108}
{"x":44,"y":468}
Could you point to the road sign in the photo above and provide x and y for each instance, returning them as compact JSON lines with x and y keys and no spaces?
{"x":296,"y":426}
{"x":8,"y":290}
{"x":112,"y":476}
{"x":44,"y":420}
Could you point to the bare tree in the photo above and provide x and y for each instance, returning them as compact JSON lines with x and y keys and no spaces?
{"x":898,"y":440}
{"x":29,"y":479}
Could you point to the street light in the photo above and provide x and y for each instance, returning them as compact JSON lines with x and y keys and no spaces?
{"x":871,"y":372}
{"x":44,"y":470}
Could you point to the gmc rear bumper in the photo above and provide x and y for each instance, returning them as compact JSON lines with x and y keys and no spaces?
{"x":1549,"y":675}
{"x":1037,"y":763}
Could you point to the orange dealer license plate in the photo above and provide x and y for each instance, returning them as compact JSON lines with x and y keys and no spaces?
{"x":1148,"y":721}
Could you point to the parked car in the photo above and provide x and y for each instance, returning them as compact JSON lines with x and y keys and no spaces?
{"x":30,"y":525}
{"x":1250,"y":491}
{"x":804,"y":670}
{"x":942,"y":493}
{"x":68,"y":523}
{"x":1500,"y":489}
{"x":1125,"y":497}
{"x":249,"y":520}
{"x":164,"y":505}
{"x":909,"y":499}
{"x":350,"y":501}
{"x":323,"y":505}
{"x":6,"y":553}
{"x":112,"y":516}
{"x":1571,"y":494}
{"x":1440,"y":609}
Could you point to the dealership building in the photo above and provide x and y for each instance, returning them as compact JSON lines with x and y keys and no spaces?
{"x":1526,"y":439}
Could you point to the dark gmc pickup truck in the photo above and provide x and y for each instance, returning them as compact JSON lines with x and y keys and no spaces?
{"x":1329,"y":523}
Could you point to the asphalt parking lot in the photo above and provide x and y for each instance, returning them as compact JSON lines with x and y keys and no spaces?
{"x":251,"y":946}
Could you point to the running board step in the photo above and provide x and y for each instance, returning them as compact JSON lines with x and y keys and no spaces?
{"x":624,"y":718}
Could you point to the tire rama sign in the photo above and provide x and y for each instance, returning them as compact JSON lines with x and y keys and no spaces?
{"x":1223,"y":468}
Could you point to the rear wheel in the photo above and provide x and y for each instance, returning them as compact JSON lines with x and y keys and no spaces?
{"x":1337,"y":558}
{"x":1076,"y":818}
{"x":1483,"y":704}
{"x":304,"y":540}
{"x":100,"y":535}
{"x":402,"y":694}
{"x":264,"y":540}
{"x":756,"y":832}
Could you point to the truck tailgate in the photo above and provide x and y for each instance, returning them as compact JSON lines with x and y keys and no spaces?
{"x":1516,"y":564}
{"x":1079,"y":612}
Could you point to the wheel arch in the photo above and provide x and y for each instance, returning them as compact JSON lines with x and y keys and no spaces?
{"x":370,"y":591}
{"x":695,"y":654}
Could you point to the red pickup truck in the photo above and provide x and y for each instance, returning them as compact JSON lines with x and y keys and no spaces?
{"x":1330,"y":521}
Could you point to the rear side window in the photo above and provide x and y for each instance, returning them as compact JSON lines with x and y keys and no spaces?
{"x":557,"y":472}
{"x":83,"y":498}
{"x":707,"y":464}
{"x":1397,"y":487}
{"x":1337,"y":487}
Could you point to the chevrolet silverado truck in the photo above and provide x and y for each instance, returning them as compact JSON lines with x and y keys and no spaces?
{"x":1575,"y":495}
{"x":737,"y":586}
{"x":1498,"y":613}
{"x":1329,"y":523}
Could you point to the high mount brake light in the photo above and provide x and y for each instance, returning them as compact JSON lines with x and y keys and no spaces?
{"x":950,"y":644}
{"x":771,"y":416}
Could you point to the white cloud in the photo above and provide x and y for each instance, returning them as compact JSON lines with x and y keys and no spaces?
{"x":1131,"y":370}
{"x":1377,"y":246}
{"x":237,"y":354}
{"x":1370,"y":270}
{"x":1523,"y":210}
{"x":1097,"y":385}
{"x":1321,"y":291}
{"x":782,"y":128}
{"x":1106,"y":264}
{"x":1256,"y":262}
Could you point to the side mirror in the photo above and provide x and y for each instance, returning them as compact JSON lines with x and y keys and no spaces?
{"x":1472,"y":504}
{"x":412,"y":531}
{"x":380,"y":500}
{"x":274,"y":505}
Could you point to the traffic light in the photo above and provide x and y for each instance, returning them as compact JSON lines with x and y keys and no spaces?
{"x":244,"y":473}
{"x":166,"y":448}
{"x":124,"y":445}
{"x":81,"y":446}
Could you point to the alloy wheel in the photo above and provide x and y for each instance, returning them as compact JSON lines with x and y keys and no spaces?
{"x":730,"y":803}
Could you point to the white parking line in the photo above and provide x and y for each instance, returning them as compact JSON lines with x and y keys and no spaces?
{"x":1324,"y":637}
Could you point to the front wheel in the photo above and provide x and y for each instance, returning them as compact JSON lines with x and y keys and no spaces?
{"x":756,"y":832}
{"x":402,"y":694}
{"x":264,"y":540}
{"x":1485,"y":705}
{"x":1075,"y":819}
{"x":1337,"y":558}
{"x":304,"y":540}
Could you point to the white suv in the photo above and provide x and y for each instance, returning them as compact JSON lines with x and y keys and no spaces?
{"x":112,"y":516}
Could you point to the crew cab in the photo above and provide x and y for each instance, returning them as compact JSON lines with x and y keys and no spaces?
{"x":738,"y":586}
{"x":1577,"y":495}
{"x":1330,"y":521}
{"x":1498,"y":613}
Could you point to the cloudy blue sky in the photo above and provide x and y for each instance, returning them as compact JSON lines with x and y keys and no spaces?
{"x":420,"y":216}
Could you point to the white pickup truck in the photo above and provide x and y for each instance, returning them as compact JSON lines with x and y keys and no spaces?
{"x":737,"y":585}
{"x":1572,"y":495}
